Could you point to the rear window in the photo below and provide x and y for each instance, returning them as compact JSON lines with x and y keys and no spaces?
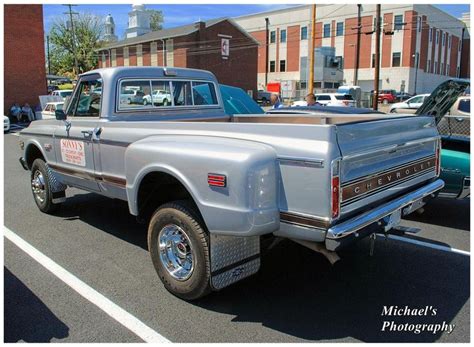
{"x":147,"y":94}
{"x":204,"y":93}
{"x":344,"y":97}
{"x":465,"y":105}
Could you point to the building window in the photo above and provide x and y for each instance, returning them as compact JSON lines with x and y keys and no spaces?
{"x":435,"y":69}
{"x":428,"y":68}
{"x":457,"y":72}
{"x":373,"y":60}
{"x":272,"y":66}
{"x":450,"y":41}
{"x":327,"y":30}
{"x":443,"y":40}
{"x":282,"y":65}
{"x":283,"y":36}
{"x":431,"y":34}
{"x":396,"y":59}
{"x":447,"y":69}
{"x":398,"y":22}
{"x":340,"y":29}
{"x":419,"y":24}
{"x":272,"y":36}
{"x":304,"y":33}
{"x":441,"y":69}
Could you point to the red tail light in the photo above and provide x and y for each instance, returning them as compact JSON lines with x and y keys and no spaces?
{"x":335,"y":196}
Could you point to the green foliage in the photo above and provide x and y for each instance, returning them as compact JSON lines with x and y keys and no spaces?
{"x":156,"y":20}
{"x":66,"y":86}
{"x":88,"y":30}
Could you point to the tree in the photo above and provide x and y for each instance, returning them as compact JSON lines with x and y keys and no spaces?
{"x":88,"y":30}
{"x":156,"y":20}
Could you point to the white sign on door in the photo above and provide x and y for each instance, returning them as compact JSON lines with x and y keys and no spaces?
{"x":72,"y":152}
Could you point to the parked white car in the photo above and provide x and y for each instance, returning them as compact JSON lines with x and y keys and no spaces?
{"x":160,"y":97}
{"x":62,"y":93}
{"x":6,"y":124}
{"x":335,"y":99}
{"x":410,"y":105}
{"x":131,"y":96}
{"x":50,"y":110}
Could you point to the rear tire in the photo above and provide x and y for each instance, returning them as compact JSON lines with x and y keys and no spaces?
{"x":179,"y":249}
{"x":40,"y":187}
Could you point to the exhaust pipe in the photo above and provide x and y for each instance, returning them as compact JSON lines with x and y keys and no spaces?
{"x":332,"y":256}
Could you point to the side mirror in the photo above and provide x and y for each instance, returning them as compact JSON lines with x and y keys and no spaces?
{"x":60,"y":115}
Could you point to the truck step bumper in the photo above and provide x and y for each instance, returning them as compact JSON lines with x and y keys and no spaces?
{"x":365,"y":224}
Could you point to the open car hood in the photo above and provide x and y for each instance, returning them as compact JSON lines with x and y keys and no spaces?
{"x":442,"y":98}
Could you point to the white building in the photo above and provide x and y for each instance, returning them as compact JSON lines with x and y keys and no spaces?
{"x":138,"y":22}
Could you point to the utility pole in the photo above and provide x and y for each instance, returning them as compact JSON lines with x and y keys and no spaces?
{"x":311,"y":52}
{"x":267,"y":41}
{"x":73,"y":35}
{"x":462,"y":46}
{"x":377,"y":59}
{"x":417,"y":62}
{"x":357,"y":50}
{"x":49,"y":60}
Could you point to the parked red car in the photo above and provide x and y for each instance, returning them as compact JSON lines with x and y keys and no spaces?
{"x":387,"y":96}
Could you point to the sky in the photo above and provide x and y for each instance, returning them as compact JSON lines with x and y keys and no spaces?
{"x":176,"y":15}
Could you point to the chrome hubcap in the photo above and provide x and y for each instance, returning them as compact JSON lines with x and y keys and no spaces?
{"x":38,"y":187}
{"x":176,"y":253}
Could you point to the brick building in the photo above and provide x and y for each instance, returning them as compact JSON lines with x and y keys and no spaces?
{"x":24,"y":55}
{"x":196,"y":46}
{"x":415,"y":37}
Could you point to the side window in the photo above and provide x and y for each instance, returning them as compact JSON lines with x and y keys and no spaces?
{"x":161,"y":95}
{"x":133,"y":94}
{"x":323,"y":97}
{"x":182,"y":93}
{"x":86,"y":102}
{"x":204,"y":93}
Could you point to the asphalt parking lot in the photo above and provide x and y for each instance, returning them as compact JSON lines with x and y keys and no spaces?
{"x":296,"y":297}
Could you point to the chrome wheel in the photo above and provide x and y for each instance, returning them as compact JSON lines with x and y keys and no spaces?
{"x":176,"y":253}
{"x":38,"y":186}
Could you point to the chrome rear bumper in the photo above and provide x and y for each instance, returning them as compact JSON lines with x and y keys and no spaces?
{"x":339,"y":232}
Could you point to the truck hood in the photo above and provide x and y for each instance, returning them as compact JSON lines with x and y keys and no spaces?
{"x":443,"y":98}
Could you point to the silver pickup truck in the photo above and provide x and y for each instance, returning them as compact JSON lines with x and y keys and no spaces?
{"x":213,"y":187}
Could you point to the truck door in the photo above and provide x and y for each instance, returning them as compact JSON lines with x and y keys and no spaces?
{"x":73,"y":141}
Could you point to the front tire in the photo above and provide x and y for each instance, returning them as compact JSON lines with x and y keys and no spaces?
{"x":165,"y":102}
{"x":40,"y":187}
{"x":179,"y":249}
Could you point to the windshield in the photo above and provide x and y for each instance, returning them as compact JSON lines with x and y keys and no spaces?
{"x":236,"y":101}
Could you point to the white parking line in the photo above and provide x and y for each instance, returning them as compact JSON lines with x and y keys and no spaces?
{"x":427,"y":244}
{"x":116,"y":312}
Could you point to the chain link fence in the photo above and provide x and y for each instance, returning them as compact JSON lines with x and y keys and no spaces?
{"x":455,"y":125}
